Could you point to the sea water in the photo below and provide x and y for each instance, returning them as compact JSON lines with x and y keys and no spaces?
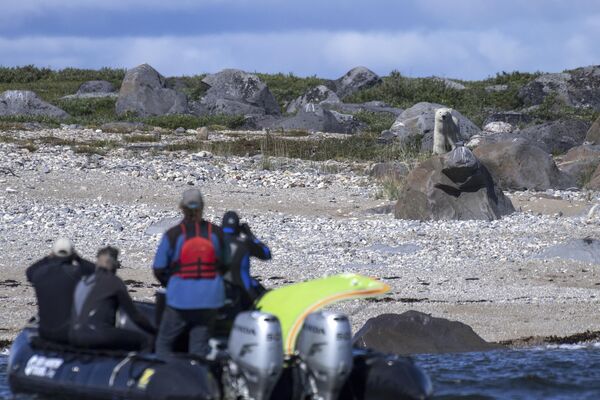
{"x":551,"y":372}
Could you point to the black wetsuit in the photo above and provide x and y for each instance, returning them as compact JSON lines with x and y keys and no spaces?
{"x":54,"y":279}
{"x":96,"y":301}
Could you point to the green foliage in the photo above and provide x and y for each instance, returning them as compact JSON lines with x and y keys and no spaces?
{"x":31,"y":73}
{"x":474,"y":102}
{"x":376,"y":122}
{"x":286,"y":87}
{"x":192,"y":86}
{"x":552,"y":108}
{"x":193,"y":122}
{"x":89,"y":108}
{"x":390,"y":188}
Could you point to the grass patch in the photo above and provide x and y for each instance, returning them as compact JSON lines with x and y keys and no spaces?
{"x":135,"y":138}
{"x":474,"y":102}
{"x":390,"y":188}
{"x":376,"y":122}
{"x":193,"y":122}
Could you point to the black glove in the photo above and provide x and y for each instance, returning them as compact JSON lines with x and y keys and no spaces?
{"x":246,"y":230}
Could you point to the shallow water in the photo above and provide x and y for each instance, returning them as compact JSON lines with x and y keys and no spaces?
{"x":563,"y":372}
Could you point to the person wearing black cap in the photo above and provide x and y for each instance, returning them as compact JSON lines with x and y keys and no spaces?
{"x":54,"y":278}
{"x":242,"y":244}
{"x":96,"y":300}
{"x":190,"y":261}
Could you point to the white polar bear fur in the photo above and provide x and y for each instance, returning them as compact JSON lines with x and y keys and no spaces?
{"x":446,"y":132}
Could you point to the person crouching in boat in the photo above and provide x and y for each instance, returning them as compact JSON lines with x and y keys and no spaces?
{"x":96,"y":301}
{"x":242,"y":244}
{"x":189,"y":262}
{"x":54,"y":278}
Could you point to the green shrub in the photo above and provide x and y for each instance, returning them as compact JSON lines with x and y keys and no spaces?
{"x":376,"y":122}
{"x":286,"y":87}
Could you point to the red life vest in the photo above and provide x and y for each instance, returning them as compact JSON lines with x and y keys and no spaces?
{"x":198,"y":259}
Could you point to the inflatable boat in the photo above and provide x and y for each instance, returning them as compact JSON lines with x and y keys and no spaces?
{"x":285,"y":349}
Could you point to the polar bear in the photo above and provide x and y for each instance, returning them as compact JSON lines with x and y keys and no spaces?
{"x":446,"y":132}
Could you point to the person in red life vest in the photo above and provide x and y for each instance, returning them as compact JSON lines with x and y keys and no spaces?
{"x":189,"y":261}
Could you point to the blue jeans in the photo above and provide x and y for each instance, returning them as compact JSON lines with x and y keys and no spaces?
{"x":197,"y":323}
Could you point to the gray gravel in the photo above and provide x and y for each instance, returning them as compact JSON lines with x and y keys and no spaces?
{"x":489,"y":275}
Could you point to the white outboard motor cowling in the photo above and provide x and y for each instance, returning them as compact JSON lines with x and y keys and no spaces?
{"x":325,"y":350}
{"x":256,"y":356}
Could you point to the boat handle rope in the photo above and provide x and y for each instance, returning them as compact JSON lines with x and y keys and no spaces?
{"x":117,"y":368}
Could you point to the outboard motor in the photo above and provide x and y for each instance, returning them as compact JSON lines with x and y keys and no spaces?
{"x":325,"y":351}
{"x":256,"y":356}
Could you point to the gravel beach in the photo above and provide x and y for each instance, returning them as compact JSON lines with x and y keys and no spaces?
{"x":499,"y":277}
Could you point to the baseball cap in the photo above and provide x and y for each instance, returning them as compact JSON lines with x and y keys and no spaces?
{"x":62,"y":247}
{"x":192,"y":199}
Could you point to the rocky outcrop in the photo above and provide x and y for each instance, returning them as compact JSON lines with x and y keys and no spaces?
{"x":555,"y":137}
{"x":417,"y":122}
{"x":144,"y":93}
{"x":594,"y":183}
{"x":453,"y":186}
{"x":370,"y":106}
{"x":414,"y":332}
{"x":235,"y":92}
{"x":358,"y":78}
{"x":317,"y":95}
{"x":27,"y":103}
{"x":96,"y":87}
{"x":514,"y":118}
{"x":317,"y":119}
{"x":449,"y":83}
{"x":580,"y":162}
{"x":518,"y":165}
{"x":576,"y":88}
{"x":593,"y":134}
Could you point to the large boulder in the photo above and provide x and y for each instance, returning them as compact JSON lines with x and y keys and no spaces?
{"x":555,"y":137}
{"x":580,"y":162}
{"x":576,"y":88}
{"x":317,"y":95}
{"x":370,"y":106}
{"x":518,"y":165}
{"x":356,"y":79}
{"x":593,"y":134}
{"x":318,"y":119}
{"x":413,"y":332}
{"x":453,"y":186}
{"x":236,"y":92}
{"x":144,"y":93}
{"x":27,"y":103}
{"x":96,"y":87}
{"x":511,"y":117}
{"x":594,"y":182}
{"x":417,"y":122}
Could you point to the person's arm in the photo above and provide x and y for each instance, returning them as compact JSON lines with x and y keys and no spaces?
{"x":221,"y":250}
{"x":126,"y":304}
{"x":162,"y":261}
{"x":257,"y":248}
{"x":30,"y":272}
{"x":86,"y":267}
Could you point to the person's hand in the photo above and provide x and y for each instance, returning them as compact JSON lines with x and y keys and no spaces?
{"x":246,"y":229}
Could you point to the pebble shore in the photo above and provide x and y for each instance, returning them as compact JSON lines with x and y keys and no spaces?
{"x":317,"y":219}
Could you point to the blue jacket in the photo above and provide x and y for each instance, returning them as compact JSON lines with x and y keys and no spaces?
{"x":189,"y":294}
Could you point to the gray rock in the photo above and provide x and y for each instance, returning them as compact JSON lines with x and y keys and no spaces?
{"x":593,"y":134}
{"x":162,"y":226}
{"x":317,"y":95}
{"x":317,"y":119}
{"x":96,"y":87}
{"x":414,"y":332}
{"x":594,"y":183}
{"x":514,"y":118}
{"x":580,"y":162}
{"x":518,"y":165}
{"x":356,"y":79}
{"x":389,"y":170}
{"x":577,"y":88}
{"x":27,"y":103}
{"x":584,"y":250}
{"x":370,"y":106}
{"x":556,"y":137}
{"x":496,"y":88}
{"x":449,"y":83}
{"x":417,"y":122}
{"x":453,"y":186}
{"x":236,"y":92}
{"x":144,"y":93}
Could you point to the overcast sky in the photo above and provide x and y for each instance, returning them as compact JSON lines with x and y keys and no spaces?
{"x":467,"y":39}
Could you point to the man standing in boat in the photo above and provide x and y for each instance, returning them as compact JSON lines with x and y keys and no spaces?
{"x":189,"y":262}
{"x":54,"y":278}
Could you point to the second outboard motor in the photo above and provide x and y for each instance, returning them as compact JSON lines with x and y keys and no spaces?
{"x":325,"y":350}
{"x":256,"y":356}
